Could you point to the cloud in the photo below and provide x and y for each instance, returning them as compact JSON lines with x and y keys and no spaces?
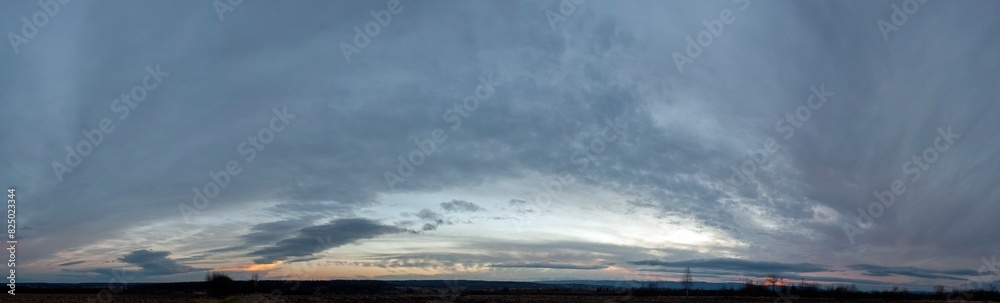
{"x":71,"y":263}
{"x":154,"y":263}
{"x":548,"y":265}
{"x":267,"y":233}
{"x":435,"y":219}
{"x":427,"y":214}
{"x":316,"y":239}
{"x":460,"y":206}
{"x":682,"y":131}
{"x":882,"y":271}
{"x":737,"y":265}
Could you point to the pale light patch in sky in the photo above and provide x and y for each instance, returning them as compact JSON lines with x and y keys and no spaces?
{"x":591,"y":155}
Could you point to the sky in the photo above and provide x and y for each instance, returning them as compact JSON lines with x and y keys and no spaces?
{"x":835,"y":142}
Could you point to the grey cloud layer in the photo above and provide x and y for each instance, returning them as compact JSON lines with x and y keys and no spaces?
{"x":737,"y":265}
{"x":879,"y":271}
{"x":609,"y":59}
{"x":156,"y":263}
{"x":315,"y":239}
{"x":460,"y":206}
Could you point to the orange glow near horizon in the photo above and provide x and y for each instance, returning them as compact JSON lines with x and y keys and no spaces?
{"x":254,"y":267}
{"x":260,"y":267}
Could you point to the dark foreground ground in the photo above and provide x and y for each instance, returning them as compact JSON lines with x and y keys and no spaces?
{"x":83,"y":298}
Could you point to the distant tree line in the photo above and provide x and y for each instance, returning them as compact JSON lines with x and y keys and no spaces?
{"x":221,"y":285}
{"x":774,"y":286}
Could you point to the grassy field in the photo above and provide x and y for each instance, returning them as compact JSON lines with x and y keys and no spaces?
{"x":81,"y":298}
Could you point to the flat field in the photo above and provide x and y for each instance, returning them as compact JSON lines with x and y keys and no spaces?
{"x":84,"y":298}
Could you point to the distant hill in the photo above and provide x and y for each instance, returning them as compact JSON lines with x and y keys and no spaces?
{"x":636,"y":283}
{"x":474,"y":284}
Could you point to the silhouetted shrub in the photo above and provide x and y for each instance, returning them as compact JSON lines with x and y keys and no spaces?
{"x":220,"y":285}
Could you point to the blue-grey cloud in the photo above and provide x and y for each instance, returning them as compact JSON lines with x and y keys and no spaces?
{"x":881,"y":271}
{"x":547,"y":265}
{"x":460,"y":206}
{"x":738,"y":265}
{"x":315,"y":239}
{"x":558,"y":90}
{"x":154,"y":263}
